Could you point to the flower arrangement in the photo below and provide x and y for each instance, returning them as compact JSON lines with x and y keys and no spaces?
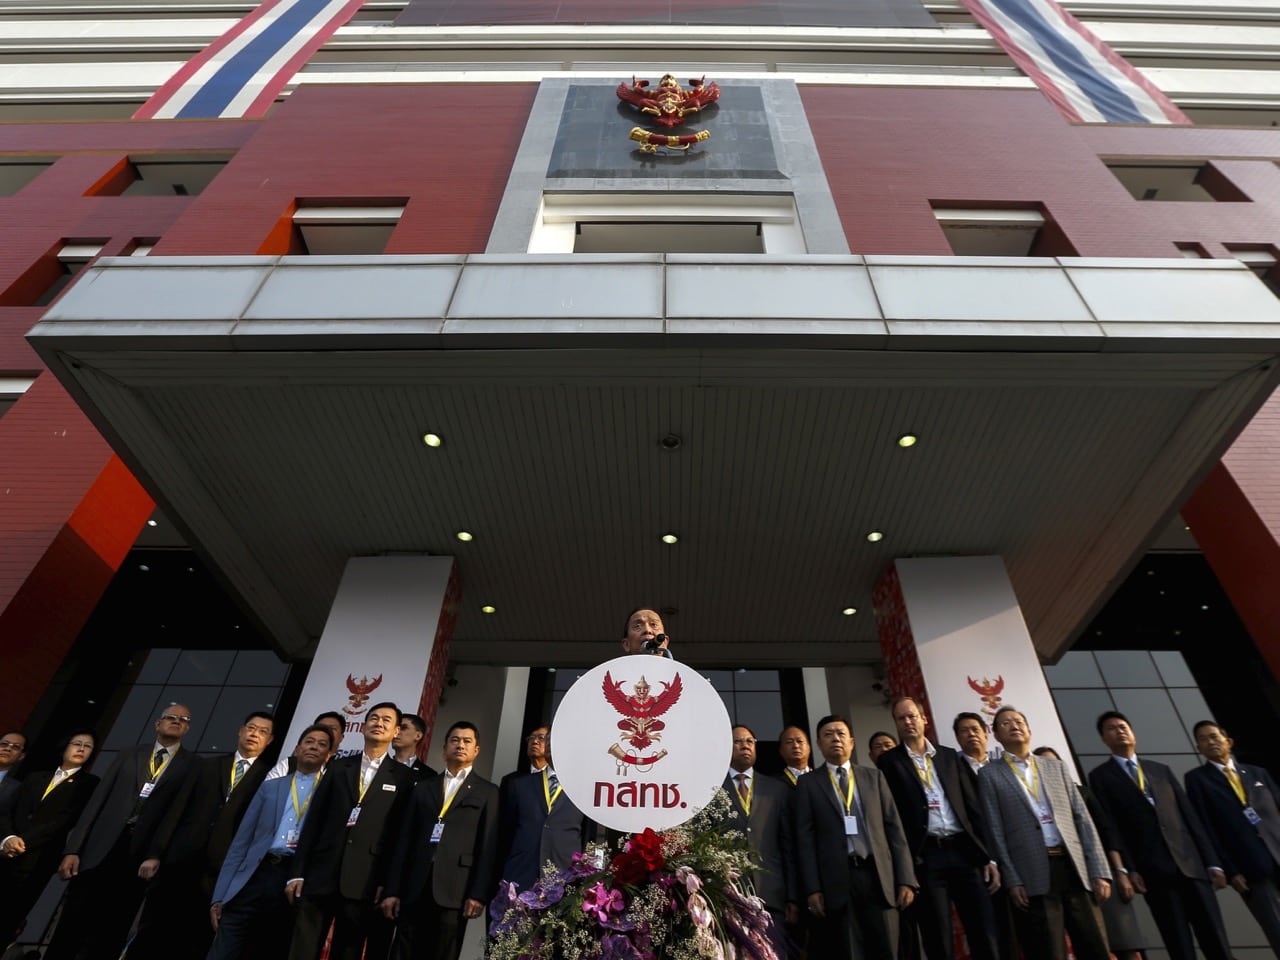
{"x":674,"y":895}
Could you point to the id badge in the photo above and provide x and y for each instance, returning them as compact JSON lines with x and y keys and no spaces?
{"x":935,"y":803}
{"x":850,"y":825}
{"x":291,"y":840}
{"x":146,"y":789}
{"x":437,"y":831}
{"x":1046,"y":817}
{"x":1251,"y":815}
{"x":353,"y":816}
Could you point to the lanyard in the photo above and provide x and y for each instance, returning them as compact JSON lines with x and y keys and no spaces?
{"x":364,"y":787}
{"x":925,"y":773}
{"x":790,"y":776}
{"x":751,"y":792}
{"x":54,"y":782}
{"x":157,"y":771}
{"x":546,"y":791}
{"x":848,"y":794}
{"x":1236,"y":784}
{"x":234,"y":778}
{"x":1032,"y":788}
{"x":301,"y":811}
{"x":448,"y":797}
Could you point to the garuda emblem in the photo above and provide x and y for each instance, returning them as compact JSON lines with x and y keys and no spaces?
{"x":668,"y":104}
{"x":360,"y":690}
{"x":640,"y":723}
{"x":989,"y":691}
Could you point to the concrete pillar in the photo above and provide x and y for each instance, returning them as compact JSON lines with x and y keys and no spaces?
{"x":953,"y":637}
{"x":387,"y":638}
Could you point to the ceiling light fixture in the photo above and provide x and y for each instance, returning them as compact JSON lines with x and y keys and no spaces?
{"x":670,"y":538}
{"x":849,"y":611}
{"x":488,"y":608}
{"x":151,"y":523}
{"x":464,"y":536}
{"x":907,"y":440}
{"x":875,"y":536}
{"x":432,"y":439}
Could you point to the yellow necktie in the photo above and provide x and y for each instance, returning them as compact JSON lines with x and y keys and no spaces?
{"x":1236,"y":785}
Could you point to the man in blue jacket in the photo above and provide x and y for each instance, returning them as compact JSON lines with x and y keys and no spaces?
{"x":250,"y":911}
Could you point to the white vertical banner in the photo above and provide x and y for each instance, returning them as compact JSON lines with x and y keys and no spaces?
{"x":377,"y":642}
{"x":974,"y":648}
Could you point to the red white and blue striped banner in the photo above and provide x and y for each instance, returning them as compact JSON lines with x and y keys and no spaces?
{"x":242,"y":72}
{"x":1084,"y":78}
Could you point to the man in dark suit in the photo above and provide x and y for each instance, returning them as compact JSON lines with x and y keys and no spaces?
{"x":173,"y":924}
{"x":1168,"y":852}
{"x":1240,"y":806}
{"x":540,"y":823}
{"x":445,"y":866}
{"x":47,"y":805}
{"x":1042,"y":836}
{"x":536,"y":757}
{"x":761,"y":810}
{"x":855,"y":866}
{"x":342,"y":857}
{"x":248,"y":907}
{"x":937,"y":799}
{"x":405,"y":746}
{"x":793,"y":748}
{"x":111,"y":852}
{"x":13,"y":748}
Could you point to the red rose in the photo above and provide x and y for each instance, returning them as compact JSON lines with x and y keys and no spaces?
{"x":642,"y":858}
{"x":648,"y":847}
{"x":629,"y":869}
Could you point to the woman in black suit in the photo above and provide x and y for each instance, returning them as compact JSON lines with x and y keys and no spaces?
{"x":47,"y":807}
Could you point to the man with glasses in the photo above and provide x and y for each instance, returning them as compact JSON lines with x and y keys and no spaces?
{"x":123,"y":827}
{"x":536,"y":759}
{"x":761,"y":811}
{"x":12,"y":749}
{"x":174,"y":924}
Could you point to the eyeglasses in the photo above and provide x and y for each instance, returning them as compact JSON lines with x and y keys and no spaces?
{"x":81,"y":744}
{"x":745,"y":742}
{"x":12,"y":745}
{"x":174,"y":716}
{"x":538,"y":737}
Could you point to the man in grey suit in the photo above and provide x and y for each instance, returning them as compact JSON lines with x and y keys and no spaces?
{"x":855,"y":865}
{"x":761,"y":810}
{"x":1046,"y":845}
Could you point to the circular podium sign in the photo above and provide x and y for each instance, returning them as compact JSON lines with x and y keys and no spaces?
{"x":641,"y":741}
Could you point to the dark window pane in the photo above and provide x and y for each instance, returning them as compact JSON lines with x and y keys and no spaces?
{"x":198,"y":667}
{"x":136,"y":720}
{"x":158,"y":665}
{"x":228,"y":714}
{"x":258,"y":668}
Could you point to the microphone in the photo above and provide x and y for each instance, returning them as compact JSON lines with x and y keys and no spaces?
{"x":655,"y":645}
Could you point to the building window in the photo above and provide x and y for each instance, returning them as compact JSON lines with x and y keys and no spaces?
{"x":344,"y":229}
{"x":11,"y":391}
{"x":71,"y":259}
{"x":182,"y":176}
{"x":1179,"y":182}
{"x":16,"y":173}
{"x":667,"y":223}
{"x":991,"y":233}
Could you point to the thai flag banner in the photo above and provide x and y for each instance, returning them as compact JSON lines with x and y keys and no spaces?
{"x":1084,"y":78}
{"x":242,"y":72}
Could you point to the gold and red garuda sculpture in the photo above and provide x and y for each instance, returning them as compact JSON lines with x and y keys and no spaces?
{"x":668,"y":104}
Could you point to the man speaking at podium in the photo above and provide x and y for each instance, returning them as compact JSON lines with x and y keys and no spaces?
{"x":644,"y":633}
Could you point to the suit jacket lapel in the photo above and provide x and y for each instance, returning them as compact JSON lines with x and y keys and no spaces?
{"x":1015,"y":783}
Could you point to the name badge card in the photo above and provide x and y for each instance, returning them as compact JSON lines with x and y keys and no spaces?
{"x":935,"y":803}
{"x":291,"y":840}
{"x":1046,"y":816}
{"x":146,"y":789}
{"x":437,"y":831}
{"x":1251,"y":815}
{"x":850,"y":826}
{"x":353,"y":816}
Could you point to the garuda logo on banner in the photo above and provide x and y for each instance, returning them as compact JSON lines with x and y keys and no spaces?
{"x":641,"y":742}
{"x":361,"y":691}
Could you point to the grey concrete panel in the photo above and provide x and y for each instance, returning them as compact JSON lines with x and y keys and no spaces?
{"x":770,"y":290}
{"x":120,"y":288}
{"x":1171,"y":292}
{"x":328,"y":291}
{"x":988,"y":290}
{"x":541,"y":287}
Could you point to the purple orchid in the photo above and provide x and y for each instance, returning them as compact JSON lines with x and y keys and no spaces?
{"x":600,"y":901}
{"x":543,"y":894}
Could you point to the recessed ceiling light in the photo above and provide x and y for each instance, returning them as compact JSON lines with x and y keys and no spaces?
{"x":464,"y":536}
{"x":144,"y":568}
{"x":670,"y":538}
{"x":432,"y":439}
{"x":849,"y":611}
{"x":875,"y":536}
{"x":151,"y":523}
{"x":488,"y":608}
{"x":907,"y":440}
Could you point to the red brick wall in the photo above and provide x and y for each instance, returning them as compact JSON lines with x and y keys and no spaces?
{"x":888,"y":153}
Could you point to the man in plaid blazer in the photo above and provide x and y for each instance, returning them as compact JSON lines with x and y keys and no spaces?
{"x":1046,"y":844}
